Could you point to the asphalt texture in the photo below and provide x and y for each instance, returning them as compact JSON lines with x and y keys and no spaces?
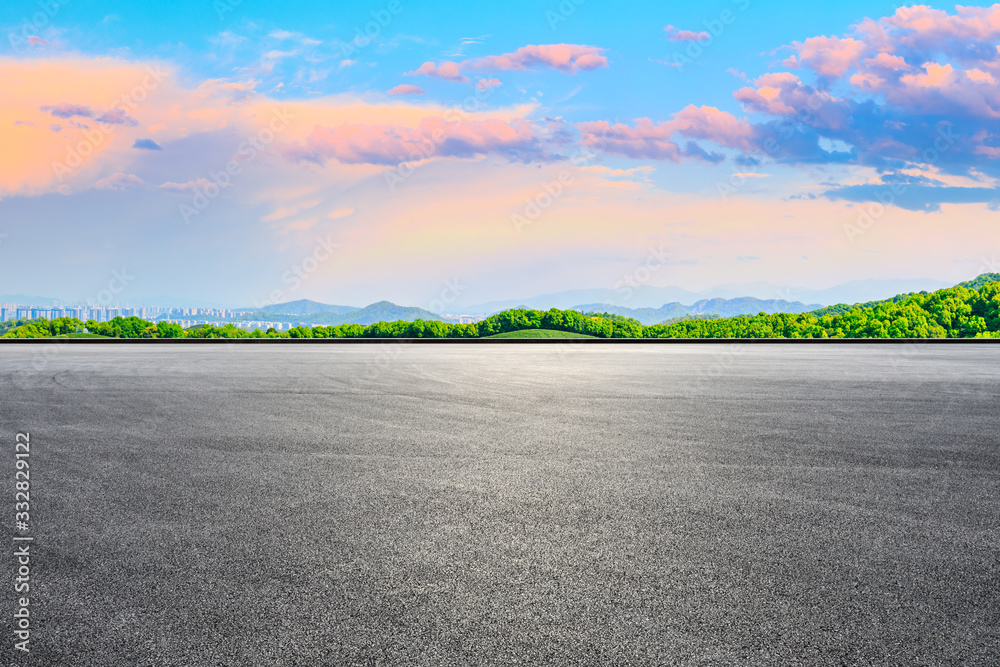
{"x":490,"y":504}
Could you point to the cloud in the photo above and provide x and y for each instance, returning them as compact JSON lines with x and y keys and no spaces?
{"x":915,"y":194}
{"x":35,"y":40}
{"x":650,"y":140}
{"x":827,"y":56}
{"x":678,"y":35}
{"x":487,"y":84}
{"x":914,"y":90}
{"x":567,"y":58}
{"x":117,"y":116}
{"x":147,"y":144}
{"x":66,"y":110}
{"x":434,"y":137}
{"x":186,"y":187}
{"x":118,"y":181}
{"x":406,"y":89}
{"x":448,"y":71}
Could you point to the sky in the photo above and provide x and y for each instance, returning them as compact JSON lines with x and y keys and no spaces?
{"x":245,"y":152}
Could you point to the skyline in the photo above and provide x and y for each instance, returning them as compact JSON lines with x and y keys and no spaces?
{"x":225,"y":151}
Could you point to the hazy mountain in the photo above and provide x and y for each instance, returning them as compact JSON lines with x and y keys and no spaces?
{"x":30,"y":300}
{"x":648,"y":296}
{"x":866,"y":290}
{"x":644,"y":296}
{"x":306,"y":307}
{"x":722,"y":307}
{"x":383,"y":311}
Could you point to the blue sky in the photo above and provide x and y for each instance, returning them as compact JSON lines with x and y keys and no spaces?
{"x":797,"y":144}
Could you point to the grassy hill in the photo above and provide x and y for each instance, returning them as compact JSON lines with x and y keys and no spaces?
{"x":538,"y":333}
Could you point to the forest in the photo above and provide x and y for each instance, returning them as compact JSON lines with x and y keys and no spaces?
{"x":969,"y":310}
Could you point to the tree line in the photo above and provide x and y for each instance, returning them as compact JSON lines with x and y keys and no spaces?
{"x":957,"y":312}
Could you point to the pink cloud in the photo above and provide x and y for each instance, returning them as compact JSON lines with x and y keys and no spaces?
{"x":569,"y":58}
{"x":406,"y":89}
{"x":784,"y":94}
{"x":921,"y":26}
{"x":827,"y":56}
{"x":650,"y":140}
{"x":447,"y":70}
{"x":35,"y":40}
{"x":710,"y":123}
{"x":937,"y":88}
{"x":487,"y":84}
{"x":645,"y":140}
{"x":678,"y":35}
{"x":434,"y":137}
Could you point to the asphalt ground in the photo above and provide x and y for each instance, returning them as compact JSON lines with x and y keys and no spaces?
{"x":491,"y":504}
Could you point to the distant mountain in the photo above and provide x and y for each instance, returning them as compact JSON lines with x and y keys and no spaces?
{"x":649,"y":296}
{"x":644,"y":296}
{"x":30,"y":300}
{"x":721,"y":307}
{"x":866,"y":290}
{"x":647,"y":316}
{"x":306,"y":307}
{"x":383,"y":311}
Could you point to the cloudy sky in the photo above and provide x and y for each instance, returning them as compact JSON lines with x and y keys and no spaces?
{"x":238,"y":151}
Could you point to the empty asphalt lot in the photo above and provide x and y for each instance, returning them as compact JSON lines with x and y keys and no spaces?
{"x":468,"y":504}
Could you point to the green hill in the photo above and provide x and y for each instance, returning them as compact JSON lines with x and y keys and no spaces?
{"x":980,"y":281}
{"x":305,"y":307}
{"x":538,"y":333}
{"x":382,"y":311}
{"x":841,"y":308}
